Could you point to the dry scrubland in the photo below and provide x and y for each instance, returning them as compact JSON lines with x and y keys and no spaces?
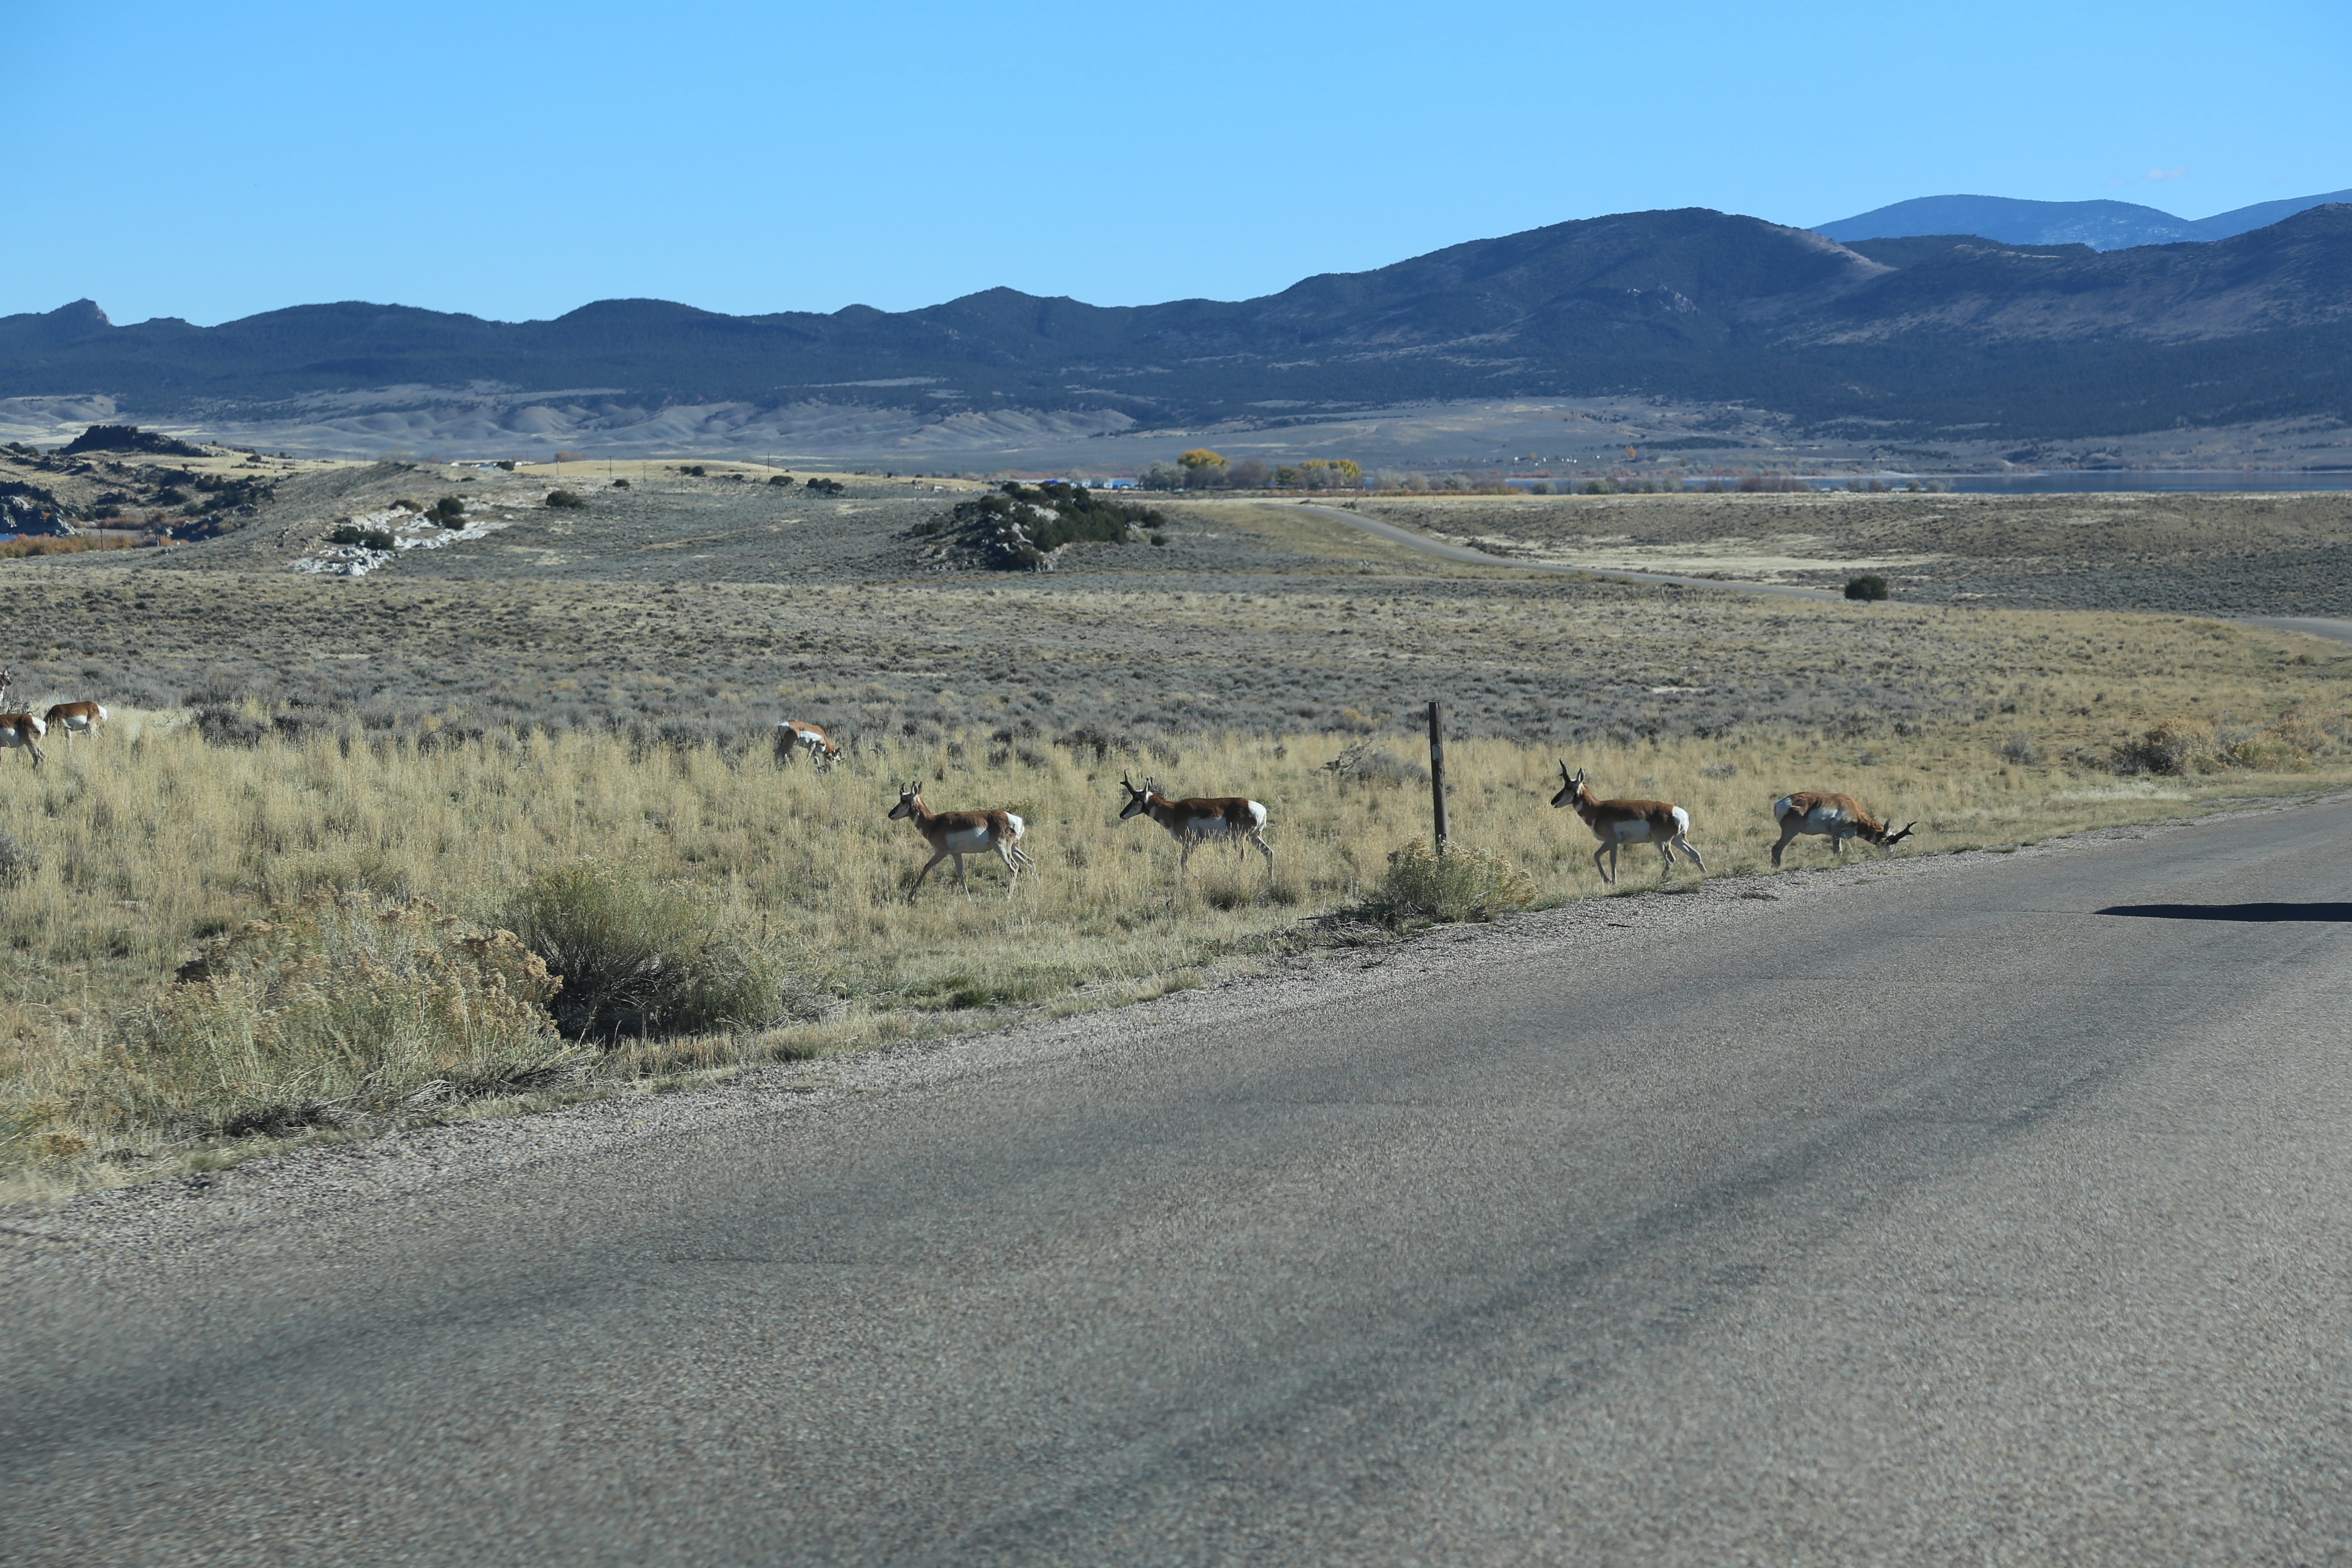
{"x":2287,"y":553}
{"x":339,"y":791}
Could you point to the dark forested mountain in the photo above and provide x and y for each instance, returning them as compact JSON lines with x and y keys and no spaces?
{"x":1918,"y":332}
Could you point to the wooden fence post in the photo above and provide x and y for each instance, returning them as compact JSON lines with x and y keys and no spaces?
{"x":1437,"y":771}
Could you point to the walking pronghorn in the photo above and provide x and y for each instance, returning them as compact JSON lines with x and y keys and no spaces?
{"x":1836,"y":815}
{"x":1191,"y":821}
{"x":962,"y":833}
{"x":76,"y":718}
{"x":793,"y":734}
{"x":1616,"y":822}
{"x":25,"y":730}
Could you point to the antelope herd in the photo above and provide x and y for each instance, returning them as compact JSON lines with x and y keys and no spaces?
{"x":1191,"y":822}
{"x":23,"y":732}
{"x":1241,"y":822}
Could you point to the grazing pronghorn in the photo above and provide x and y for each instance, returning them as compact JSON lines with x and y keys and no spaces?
{"x":76,"y":718}
{"x":1836,"y":815}
{"x":1616,"y":822}
{"x":1189,"y":822}
{"x":962,"y":833}
{"x":791,"y":734}
{"x":23,"y":730}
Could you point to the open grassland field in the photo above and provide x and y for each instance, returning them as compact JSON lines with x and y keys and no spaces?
{"x":331,"y":793}
{"x":2263,"y":554}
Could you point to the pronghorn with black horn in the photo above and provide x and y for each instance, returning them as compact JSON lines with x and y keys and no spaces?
{"x":1619,"y":822}
{"x":793,"y":734}
{"x":1836,"y":816}
{"x":1189,"y":822}
{"x":962,"y":833}
{"x":76,"y":719}
{"x":23,"y":731}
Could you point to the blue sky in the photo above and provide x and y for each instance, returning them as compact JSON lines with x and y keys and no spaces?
{"x":517,"y":161}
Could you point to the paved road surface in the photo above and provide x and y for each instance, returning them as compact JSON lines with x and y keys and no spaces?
{"x":1994,"y":1210}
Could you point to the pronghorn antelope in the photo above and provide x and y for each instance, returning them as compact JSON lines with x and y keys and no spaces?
{"x":23,"y":730}
{"x":1616,"y":822}
{"x":76,"y":718}
{"x":962,"y":833}
{"x":1192,"y":821}
{"x":791,"y":734}
{"x":1835,"y":815}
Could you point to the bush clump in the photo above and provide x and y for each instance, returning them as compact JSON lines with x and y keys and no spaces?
{"x":449,"y":511}
{"x":824,"y":487}
{"x":1870,"y":586}
{"x":1465,"y":883}
{"x":372,"y":538}
{"x":347,"y":1003}
{"x":566,"y":500}
{"x":637,"y":958}
{"x":2178,"y":746}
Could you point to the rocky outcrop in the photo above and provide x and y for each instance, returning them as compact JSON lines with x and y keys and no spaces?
{"x":128,"y":438}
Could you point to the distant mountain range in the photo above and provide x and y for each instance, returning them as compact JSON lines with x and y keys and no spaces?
{"x":1887,"y":335}
{"x":2102,"y":226}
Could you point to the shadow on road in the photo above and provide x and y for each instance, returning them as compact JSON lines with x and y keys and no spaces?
{"x":2338,"y":911}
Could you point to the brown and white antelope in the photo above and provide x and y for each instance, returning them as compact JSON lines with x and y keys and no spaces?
{"x":1191,"y":822}
{"x":76,"y":719}
{"x":793,"y":735}
{"x":962,"y":833}
{"x":23,"y":731}
{"x":1836,"y":816}
{"x":1618,"y":822}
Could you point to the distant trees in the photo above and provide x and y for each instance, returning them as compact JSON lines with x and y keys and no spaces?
{"x":1202,"y":469}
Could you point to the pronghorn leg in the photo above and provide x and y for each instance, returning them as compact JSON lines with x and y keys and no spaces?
{"x":960,"y":881}
{"x":1788,"y":837}
{"x":1610,"y":875}
{"x":1005,"y":852}
{"x":923,"y":873}
{"x":1258,"y":838}
{"x":1691,"y":850}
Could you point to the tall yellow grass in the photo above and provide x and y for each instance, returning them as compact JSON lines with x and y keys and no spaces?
{"x":146,"y":846}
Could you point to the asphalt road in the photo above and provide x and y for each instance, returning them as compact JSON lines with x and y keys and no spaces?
{"x":1986,"y":1210}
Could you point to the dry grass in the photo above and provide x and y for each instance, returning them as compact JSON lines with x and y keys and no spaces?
{"x":647,"y":649}
{"x":144,"y":848}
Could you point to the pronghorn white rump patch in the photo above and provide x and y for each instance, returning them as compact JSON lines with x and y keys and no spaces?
{"x":1682,"y":820}
{"x":1018,"y":827}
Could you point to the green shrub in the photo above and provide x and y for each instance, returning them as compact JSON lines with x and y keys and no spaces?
{"x":346,"y":1004}
{"x":566,"y":500}
{"x":449,"y":511}
{"x":374,"y":538}
{"x":1465,"y":883}
{"x":638,"y":957}
{"x":1869,"y":585}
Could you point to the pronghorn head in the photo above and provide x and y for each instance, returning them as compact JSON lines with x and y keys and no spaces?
{"x":1570,"y":788}
{"x":1886,"y":840}
{"x":910,"y":801}
{"x":1137,"y":800}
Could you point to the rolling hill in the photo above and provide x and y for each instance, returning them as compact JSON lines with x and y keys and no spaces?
{"x":1915,"y":333}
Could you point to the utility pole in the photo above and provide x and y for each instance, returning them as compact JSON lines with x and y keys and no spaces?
{"x":1437,"y":772}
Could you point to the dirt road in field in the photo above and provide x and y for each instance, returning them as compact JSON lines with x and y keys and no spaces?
{"x":1428,"y":546}
{"x":1978,"y":1208}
